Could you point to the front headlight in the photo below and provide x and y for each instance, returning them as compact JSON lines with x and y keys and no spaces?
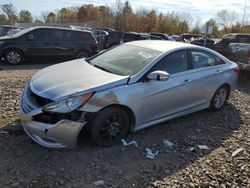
{"x":67,"y":105}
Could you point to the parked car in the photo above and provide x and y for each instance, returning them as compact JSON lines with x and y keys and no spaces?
{"x":200,"y":42}
{"x":129,"y":87}
{"x":47,"y":41}
{"x":146,"y":36}
{"x":118,"y":37}
{"x":114,"y":38}
{"x":4,"y":29}
{"x":101,"y":37}
{"x":13,"y":31}
{"x":106,"y":29}
{"x":235,"y":46}
{"x":129,"y":36}
{"x":174,"y":37}
{"x":163,"y":36}
{"x":188,"y":37}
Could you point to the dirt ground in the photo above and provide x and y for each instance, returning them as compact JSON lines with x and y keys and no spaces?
{"x":226,"y":163}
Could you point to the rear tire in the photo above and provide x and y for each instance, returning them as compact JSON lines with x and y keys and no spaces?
{"x":109,"y":126}
{"x":13,"y":56}
{"x":81,"y":55}
{"x":219,"y":99}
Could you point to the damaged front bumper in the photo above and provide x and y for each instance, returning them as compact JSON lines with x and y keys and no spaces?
{"x":59,"y":133}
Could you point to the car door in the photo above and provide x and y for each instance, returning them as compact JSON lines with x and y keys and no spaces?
{"x":59,"y":42}
{"x":207,"y":73}
{"x":164,"y":98}
{"x":37,"y":43}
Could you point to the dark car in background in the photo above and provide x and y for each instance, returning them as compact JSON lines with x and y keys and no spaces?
{"x":188,"y":37}
{"x":114,"y":38}
{"x":101,"y":37}
{"x":235,"y":46}
{"x":200,"y":42}
{"x":163,"y":36}
{"x":4,"y":29}
{"x":47,"y":41}
{"x":118,"y":37}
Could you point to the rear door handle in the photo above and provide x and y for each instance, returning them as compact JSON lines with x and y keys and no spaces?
{"x":217,"y":71}
{"x":186,"y":81}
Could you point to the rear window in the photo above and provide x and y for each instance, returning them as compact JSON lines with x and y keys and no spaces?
{"x":116,"y":35}
{"x":84,"y":37}
{"x":131,"y":37}
{"x":243,"y":39}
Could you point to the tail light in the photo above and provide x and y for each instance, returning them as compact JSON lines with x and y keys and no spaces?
{"x":248,"y":54}
{"x":237,"y":70}
{"x":95,"y":46}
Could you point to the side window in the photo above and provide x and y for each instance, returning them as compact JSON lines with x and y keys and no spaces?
{"x":241,"y":39}
{"x":219,"y":61}
{"x":58,"y":34}
{"x":202,"y":59}
{"x":39,"y":34}
{"x":84,"y":36}
{"x":173,"y":63}
{"x":68,"y":35}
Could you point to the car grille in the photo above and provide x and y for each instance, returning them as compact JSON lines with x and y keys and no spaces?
{"x":40,"y":100}
{"x":31,"y":101}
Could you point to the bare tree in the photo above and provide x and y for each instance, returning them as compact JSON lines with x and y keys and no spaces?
{"x":10,"y":11}
{"x":226,"y":19}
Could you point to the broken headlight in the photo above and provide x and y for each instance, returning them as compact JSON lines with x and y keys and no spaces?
{"x":68,"y":105}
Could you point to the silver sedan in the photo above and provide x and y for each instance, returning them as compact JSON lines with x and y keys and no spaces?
{"x":127,"y":88}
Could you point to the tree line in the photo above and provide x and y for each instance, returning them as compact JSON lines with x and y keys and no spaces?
{"x":123,"y":17}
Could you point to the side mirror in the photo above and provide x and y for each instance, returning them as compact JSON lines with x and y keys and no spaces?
{"x":158,"y":75}
{"x":30,"y":37}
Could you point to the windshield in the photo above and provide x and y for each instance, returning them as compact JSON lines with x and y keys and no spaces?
{"x":125,"y":59}
{"x":22,"y":32}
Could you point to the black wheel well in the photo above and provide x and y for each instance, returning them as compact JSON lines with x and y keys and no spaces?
{"x":128,"y":111}
{"x":13,"y":48}
{"x":82,"y":50}
{"x":91,"y":115}
{"x":228,"y":89}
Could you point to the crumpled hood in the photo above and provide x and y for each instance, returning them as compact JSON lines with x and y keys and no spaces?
{"x":58,"y":81}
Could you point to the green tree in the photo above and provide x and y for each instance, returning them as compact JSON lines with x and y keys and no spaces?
{"x":10,"y":11}
{"x":3,"y":19}
{"x":25,"y":16}
{"x":106,"y":17}
{"x":152,"y":21}
{"x":65,"y":15}
{"x":128,"y":22}
{"x":51,"y":18}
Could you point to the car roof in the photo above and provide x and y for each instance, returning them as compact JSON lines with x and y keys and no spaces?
{"x":160,"y":45}
{"x":62,"y":28}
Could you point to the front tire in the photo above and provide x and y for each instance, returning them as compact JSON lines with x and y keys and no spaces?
{"x":13,"y":56}
{"x":81,"y":55}
{"x":109,"y":126}
{"x":219,"y":99}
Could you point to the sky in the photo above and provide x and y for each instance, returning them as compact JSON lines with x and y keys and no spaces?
{"x":203,"y":9}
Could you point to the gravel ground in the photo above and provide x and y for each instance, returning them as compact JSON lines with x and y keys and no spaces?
{"x":225,"y":164}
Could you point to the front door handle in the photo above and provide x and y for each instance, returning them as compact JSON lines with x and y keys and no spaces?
{"x":186,"y":81}
{"x":217,"y":71}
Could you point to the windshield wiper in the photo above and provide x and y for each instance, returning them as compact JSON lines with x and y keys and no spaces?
{"x":102,"y":68}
